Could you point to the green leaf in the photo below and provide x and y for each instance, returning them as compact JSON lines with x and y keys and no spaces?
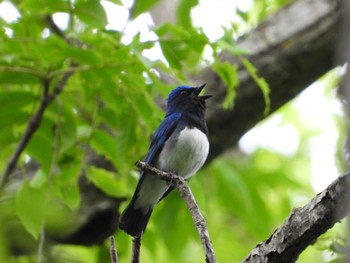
{"x":263,"y":85}
{"x":68,"y":181}
{"x":242,"y":14}
{"x":67,"y":129}
{"x":18,"y":78}
{"x":6,"y":138}
{"x":91,"y":12}
{"x":14,"y":114}
{"x":105,"y":144}
{"x":228,"y":74}
{"x":13,"y":119}
{"x":107,"y":181}
{"x":141,"y":6}
{"x":117,"y":2}
{"x":40,"y":148}
{"x":44,"y":6}
{"x":173,"y":53}
{"x":82,"y":55}
{"x":184,"y":12}
{"x":84,"y":131}
{"x":11,"y":101}
{"x":228,"y":43}
{"x":138,"y":47}
{"x":30,"y":207}
{"x":4,"y":250}
{"x":181,"y":45}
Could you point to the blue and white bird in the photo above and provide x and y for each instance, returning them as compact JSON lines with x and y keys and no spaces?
{"x":180,"y":145}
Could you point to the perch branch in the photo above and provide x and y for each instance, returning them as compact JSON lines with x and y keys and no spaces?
{"x":113,"y":250}
{"x":305,"y":224}
{"x":186,"y":194}
{"x":136,"y":247}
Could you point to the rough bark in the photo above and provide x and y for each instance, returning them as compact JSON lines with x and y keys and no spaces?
{"x":305,"y":224}
{"x":343,"y":52}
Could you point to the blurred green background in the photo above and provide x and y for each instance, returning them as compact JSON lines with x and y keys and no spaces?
{"x":108,"y":106}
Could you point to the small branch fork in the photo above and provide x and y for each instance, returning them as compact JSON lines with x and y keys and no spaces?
{"x":46,"y":100}
{"x":186,"y":194}
{"x":33,"y":124}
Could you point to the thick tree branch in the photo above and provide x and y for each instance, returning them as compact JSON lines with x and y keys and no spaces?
{"x":305,"y":224}
{"x":343,"y":51}
{"x":186,"y":194}
{"x":290,"y":49}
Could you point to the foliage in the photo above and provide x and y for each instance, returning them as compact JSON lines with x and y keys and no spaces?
{"x":108,"y":107}
{"x":259,"y":10}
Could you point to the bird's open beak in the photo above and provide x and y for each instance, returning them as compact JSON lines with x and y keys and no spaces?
{"x":199,"y":89}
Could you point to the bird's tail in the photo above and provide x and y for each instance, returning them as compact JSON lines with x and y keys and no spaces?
{"x":133,"y":221}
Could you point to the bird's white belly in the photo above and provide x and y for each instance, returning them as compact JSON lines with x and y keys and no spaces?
{"x":183,"y":155}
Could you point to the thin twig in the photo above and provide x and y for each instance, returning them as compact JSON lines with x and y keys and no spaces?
{"x":55,"y":29}
{"x":186,"y":194}
{"x":198,"y":219}
{"x":113,"y":250}
{"x":41,"y":244}
{"x":33,"y":125}
{"x":136,"y":247}
{"x":18,"y":69}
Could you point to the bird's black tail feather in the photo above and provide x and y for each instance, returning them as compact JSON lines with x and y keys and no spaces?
{"x":133,"y":221}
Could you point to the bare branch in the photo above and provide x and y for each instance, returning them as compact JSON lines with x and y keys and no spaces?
{"x":113,"y":250}
{"x":305,"y":224}
{"x":136,"y":248}
{"x":55,"y":29}
{"x":186,"y":194}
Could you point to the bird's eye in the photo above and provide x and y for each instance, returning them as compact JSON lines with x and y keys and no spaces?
{"x":183,"y":92}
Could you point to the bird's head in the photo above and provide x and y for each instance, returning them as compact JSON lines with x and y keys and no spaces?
{"x":186,"y":99}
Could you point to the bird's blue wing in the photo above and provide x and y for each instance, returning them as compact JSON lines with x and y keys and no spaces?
{"x":161,"y":135}
{"x":135,"y":217}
